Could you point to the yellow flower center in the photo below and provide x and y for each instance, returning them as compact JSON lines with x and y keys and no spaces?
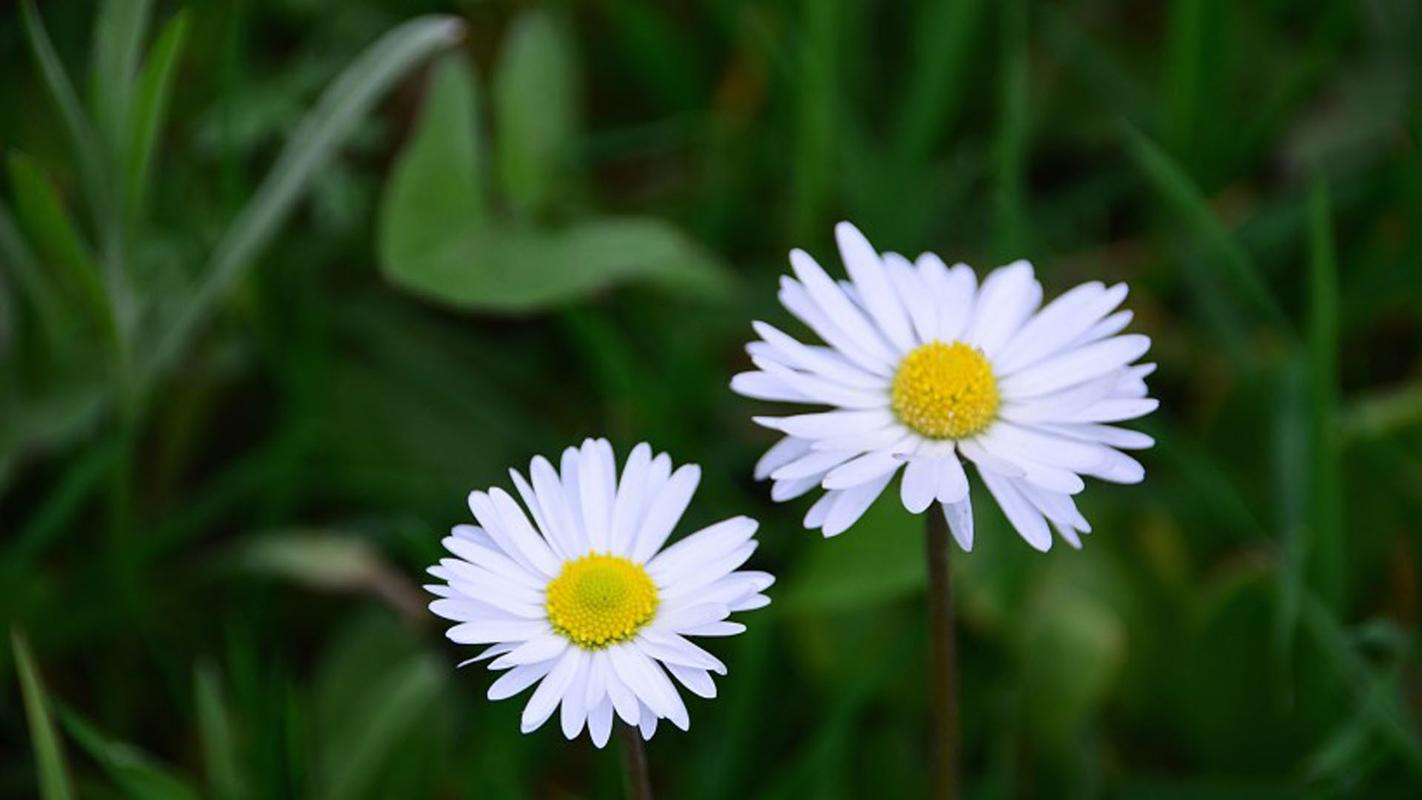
{"x":945,"y":391}
{"x":600,"y":600}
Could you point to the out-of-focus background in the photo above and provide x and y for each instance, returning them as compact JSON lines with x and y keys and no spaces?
{"x":274,"y":297}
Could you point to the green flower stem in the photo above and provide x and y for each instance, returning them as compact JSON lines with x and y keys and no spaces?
{"x":634,"y":763}
{"x":945,"y":660}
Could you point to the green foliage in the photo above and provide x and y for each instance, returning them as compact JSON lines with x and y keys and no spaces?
{"x":54,"y":782}
{"x":437,"y":239}
{"x":274,"y":297}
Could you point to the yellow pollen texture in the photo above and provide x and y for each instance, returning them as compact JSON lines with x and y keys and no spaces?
{"x":599,"y":600}
{"x":945,"y":391}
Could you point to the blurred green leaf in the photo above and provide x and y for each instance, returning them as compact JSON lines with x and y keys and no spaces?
{"x":137,"y":774}
{"x":53,"y":231}
{"x":515,"y":271}
{"x":50,"y":765}
{"x":219,"y":749}
{"x":76,"y":122}
{"x":338,"y":112}
{"x":1385,"y":711}
{"x":1184,"y":198}
{"x":1073,"y":648}
{"x":118,"y":40}
{"x":17,"y":258}
{"x":393,"y":707}
{"x":435,"y":188}
{"x":943,"y":42}
{"x":1327,"y":551}
{"x":536,"y":115}
{"x":881,"y":560}
{"x":150,"y":107}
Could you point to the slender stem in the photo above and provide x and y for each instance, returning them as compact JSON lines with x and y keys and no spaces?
{"x":945,"y":666}
{"x":634,"y":763}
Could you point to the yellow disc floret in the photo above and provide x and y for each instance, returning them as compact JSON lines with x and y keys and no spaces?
{"x":945,"y":391}
{"x":599,"y":600}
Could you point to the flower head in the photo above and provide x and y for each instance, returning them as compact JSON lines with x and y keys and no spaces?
{"x":922,"y":366}
{"x":585,"y":600}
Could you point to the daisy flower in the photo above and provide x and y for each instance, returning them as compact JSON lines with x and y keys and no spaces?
{"x":585,"y":600}
{"x":923,"y":367}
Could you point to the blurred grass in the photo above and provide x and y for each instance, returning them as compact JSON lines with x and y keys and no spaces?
{"x":208,"y":352}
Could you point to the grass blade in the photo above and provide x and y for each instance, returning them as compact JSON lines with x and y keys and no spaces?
{"x":54,"y":233}
{"x":1387,"y":719}
{"x":219,"y":753}
{"x":1010,"y":152}
{"x":136,"y":773}
{"x":1326,"y":550}
{"x":76,"y":122}
{"x":315,"y":141}
{"x":15,"y":255}
{"x":944,"y":40}
{"x":1185,"y":198}
{"x":118,"y":40}
{"x":150,"y":107}
{"x":54,"y":781}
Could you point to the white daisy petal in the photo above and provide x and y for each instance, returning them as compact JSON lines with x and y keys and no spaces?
{"x":791,"y":488}
{"x":765,"y":386}
{"x":824,"y":362}
{"x":551,"y":689}
{"x":863,"y":469}
{"x":781,"y":453}
{"x":574,"y":708}
{"x":600,"y":723}
{"x":1028,"y":521}
{"x":1058,"y":324}
{"x":852,"y":504}
{"x":1074,"y":367}
{"x":914,"y":294}
{"x":597,"y":488}
{"x":518,"y":679}
{"x":812,"y":464}
{"x":628,"y":505}
{"x":1114,"y":410}
{"x":920,"y":483}
{"x":665,"y":511}
{"x":866,"y":269}
{"x":697,"y":681}
{"x":1008,"y":297}
{"x":798,"y":302}
{"x":1105,"y":434}
{"x":952,"y":481}
{"x":832,"y":301}
{"x":960,"y":521}
{"x":957,"y":294}
{"x":830,"y":423}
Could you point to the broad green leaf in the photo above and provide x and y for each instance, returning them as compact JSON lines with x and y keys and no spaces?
{"x":118,"y":40}
{"x":535,"y":102}
{"x":336,"y":116}
{"x":513,"y":270}
{"x":150,"y":107}
{"x":54,"y":783}
{"x":136,"y":774}
{"x":435,"y":189}
{"x":53,"y":231}
{"x":219,"y":752}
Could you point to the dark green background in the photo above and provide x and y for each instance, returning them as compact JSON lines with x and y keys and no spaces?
{"x":216,"y":569}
